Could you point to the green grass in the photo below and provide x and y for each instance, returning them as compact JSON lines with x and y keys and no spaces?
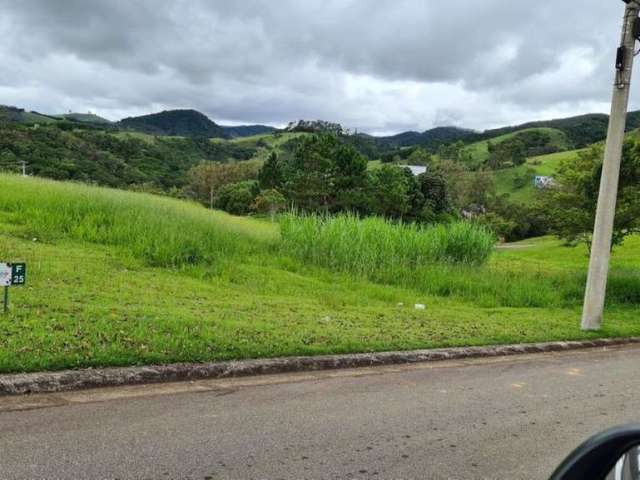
{"x":265,"y":143}
{"x":124,"y":135}
{"x":480,"y":150}
{"x":546,"y":165}
{"x":98,"y":298}
{"x":378,"y":248}
{"x":84,"y":117}
{"x":161,"y":231}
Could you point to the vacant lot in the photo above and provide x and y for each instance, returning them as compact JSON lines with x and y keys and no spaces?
{"x":118,"y":278}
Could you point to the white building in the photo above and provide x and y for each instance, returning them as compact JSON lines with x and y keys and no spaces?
{"x":543,"y":182}
{"x":417,"y":169}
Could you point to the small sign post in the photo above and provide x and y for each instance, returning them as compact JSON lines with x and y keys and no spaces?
{"x":11,"y":274}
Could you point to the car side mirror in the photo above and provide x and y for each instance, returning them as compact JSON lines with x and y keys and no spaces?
{"x":610,"y":455}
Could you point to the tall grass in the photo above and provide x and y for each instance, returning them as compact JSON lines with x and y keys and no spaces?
{"x":160,"y":231}
{"x":376,"y":247}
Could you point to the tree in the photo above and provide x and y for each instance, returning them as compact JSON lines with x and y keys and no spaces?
{"x":324,"y":174}
{"x":270,"y":201}
{"x":419,"y":157}
{"x":206,"y":178}
{"x":390,"y":192}
{"x":434,"y":189}
{"x":237,"y":198}
{"x":478,"y":188}
{"x":507,"y":153}
{"x":570,"y":206}
{"x":271,"y":175}
{"x":456,"y":175}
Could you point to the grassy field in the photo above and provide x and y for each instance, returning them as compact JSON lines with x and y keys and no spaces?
{"x":120,"y":278}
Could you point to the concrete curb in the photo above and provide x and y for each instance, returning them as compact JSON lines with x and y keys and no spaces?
{"x":66,"y":380}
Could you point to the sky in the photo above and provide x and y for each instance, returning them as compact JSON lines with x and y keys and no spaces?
{"x":378,"y":66}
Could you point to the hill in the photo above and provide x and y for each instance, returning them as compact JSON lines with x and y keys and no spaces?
{"x":175,"y":123}
{"x":85,"y":118}
{"x":431,"y":139}
{"x":580,"y":131}
{"x":247,"y":130}
{"x":75,"y":151}
{"x":518,"y":181}
{"x":536,"y":141}
{"x":20,"y":115}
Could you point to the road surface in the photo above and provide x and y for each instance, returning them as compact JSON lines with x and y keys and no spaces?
{"x":501,"y":418}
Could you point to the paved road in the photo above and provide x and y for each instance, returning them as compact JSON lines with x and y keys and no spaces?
{"x":506,"y":418}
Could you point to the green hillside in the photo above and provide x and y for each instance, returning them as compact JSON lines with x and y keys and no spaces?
{"x":119,"y":278}
{"x":85,"y":118}
{"x":479,"y":151}
{"x":181,"y":123}
{"x":19,"y":115}
{"x":518,"y":182}
{"x":66,"y":151}
{"x":247,"y":130}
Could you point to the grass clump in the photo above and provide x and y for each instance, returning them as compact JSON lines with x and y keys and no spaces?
{"x":375,"y":247}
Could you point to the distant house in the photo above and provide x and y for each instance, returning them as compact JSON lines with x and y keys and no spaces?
{"x":542,"y":182}
{"x":473,"y":210}
{"x":417,"y":169}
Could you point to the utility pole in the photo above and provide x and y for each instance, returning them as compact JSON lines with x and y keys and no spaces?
{"x":603,"y":229}
{"x":24,"y":168}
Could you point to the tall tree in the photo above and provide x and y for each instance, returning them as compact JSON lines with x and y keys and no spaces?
{"x":324,"y":174}
{"x":390,"y":190}
{"x":271,"y":175}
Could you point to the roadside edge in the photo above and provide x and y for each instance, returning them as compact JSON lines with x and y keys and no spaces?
{"x":67,"y":380}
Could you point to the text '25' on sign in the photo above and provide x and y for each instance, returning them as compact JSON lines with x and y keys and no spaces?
{"x":13,"y":274}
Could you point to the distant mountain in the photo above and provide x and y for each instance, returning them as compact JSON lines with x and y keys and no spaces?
{"x":430,"y":138}
{"x":85,"y":118}
{"x":247,"y":130}
{"x":581,"y":130}
{"x":179,"y":123}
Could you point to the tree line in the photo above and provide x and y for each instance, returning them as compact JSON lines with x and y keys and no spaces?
{"x":322,"y":175}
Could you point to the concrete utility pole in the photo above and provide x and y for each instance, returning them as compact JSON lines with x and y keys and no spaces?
{"x":24,"y":168}
{"x":603,"y":230}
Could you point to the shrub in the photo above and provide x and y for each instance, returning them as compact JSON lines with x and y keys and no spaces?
{"x":237,"y":198}
{"x":269,"y":202}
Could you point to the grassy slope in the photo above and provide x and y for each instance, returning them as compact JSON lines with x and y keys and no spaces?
{"x":271,"y":142}
{"x":480,"y":150}
{"x":25,"y":117}
{"x":84,"y":117}
{"x":543,"y":165}
{"x":93,"y":304}
{"x":138,"y":135}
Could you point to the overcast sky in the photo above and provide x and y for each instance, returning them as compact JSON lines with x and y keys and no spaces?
{"x":379,"y":66}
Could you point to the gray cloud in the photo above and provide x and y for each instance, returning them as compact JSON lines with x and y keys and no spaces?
{"x":375,"y":65}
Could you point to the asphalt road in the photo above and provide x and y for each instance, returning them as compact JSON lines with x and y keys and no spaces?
{"x":506,"y":418}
